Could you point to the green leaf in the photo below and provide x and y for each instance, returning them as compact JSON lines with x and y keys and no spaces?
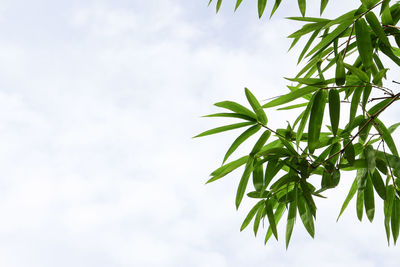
{"x":387,"y":16}
{"x":251,"y":214}
{"x":340,"y":76}
{"x":232,"y":115}
{"x":219,"y":5}
{"x":304,"y":120}
{"x":302,"y":7}
{"x":238,"y":2}
{"x":237,"y":108}
{"x":355,"y":101}
{"x":271,"y":218}
{"x":334,"y":110}
{"x":224,"y":128}
{"x":291,"y":219}
{"x":261,"y":7}
{"x":395,"y":219}
{"x":364,"y":44}
{"x":387,"y":208}
{"x":290,"y":96}
{"x":369,"y":201}
{"x":394,"y":127}
{"x":387,"y":137}
{"x":358,"y":72}
{"x":360,"y":202}
{"x":256,"y":107}
{"x":369,"y":3}
{"x":273,"y":167}
{"x":227,"y":168}
{"x":350,"y":195}
{"x":294,"y":106}
{"x":328,"y":39}
{"x":258,"y":219}
{"x":377,"y":28}
{"x":260,"y":142}
{"x":307,"y":46}
{"x":378,"y":185}
{"x":305,"y":215}
{"x":316,"y":116}
{"x":349,"y":153}
{"x":369,"y":153}
{"x":243,"y":137}
{"x":258,"y":177}
{"x":276,"y":5}
{"x":244,"y":181}
{"x":323,"y":6}
{"x":278,"y":215}
{"x":366,"y":94}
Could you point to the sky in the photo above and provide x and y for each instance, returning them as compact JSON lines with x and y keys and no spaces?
{"x":99,"y":101}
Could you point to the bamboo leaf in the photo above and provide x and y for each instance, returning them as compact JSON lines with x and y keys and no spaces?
{"x":378,"y":185}
{"x":232,"y":115}
{"x":350,"y":195}
{"x":340,"y":77}
{"x":364,"y":44}
{"x":224,"y":128}
{"x":243,"y":137}
{"x":251,"y":214}
{"x":360,"y":202}
{"x":276,"y":5}
{"x":324,"y":3}
{"x":316,"y":116}
{"x":258,"y":219}
{"x":237,"y":108}
{"x":243,"y":182}
{"x":290,"y":96}
{"x":395,"y":219}
{"x":271,"y":218}
{"x":358,"y":72}
{"x":292,"y":214}
{"x":387,"y":137}
{"x":278,"y":215}
{"x":256,"y":107}
{"x":261,"y":7}
{"x":305,"y":215}
{"x":354,"y":103}
{"x":334,"y":110}
{"x":238,"y":2}
{"x":227,"y":168}
{"x":377,"y":28}
{"x":302,"y":7}
{"x":369,"y":201}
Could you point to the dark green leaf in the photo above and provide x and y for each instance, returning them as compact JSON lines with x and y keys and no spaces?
{"x":387,"y":137}
{"x":232,"y":115}
{"x":355,"y":101}
{"x":227,"y":168}
{"x":305,"y":215}
{"x":261,"y":7}
{"x":238,"y":2}
{"x":360,"y":202}
{"x":340,"y":76}
{"x":358,"y":72}
{"x":388,"y":207}
{"x":293,"y":106}
{"x":334,"y":109}
{"x":364,"y":44}
{"x":304,"y":120}
{"x":258,"y":177}
{"x":271,"y":218}
{"x":278,"y":215}
{"x":291,"y":219}
{"x":379,"y":185}
{"x":258,"y":219}
{"x":219,"y":5}
{"x":369,"y":153}
{"x":395,"y":219}
{"x":316,"y":116}
{"x":369,"y":201}
{"x":276,"y":5}
{"x":377,"y":28}
{"x":260,"y":142}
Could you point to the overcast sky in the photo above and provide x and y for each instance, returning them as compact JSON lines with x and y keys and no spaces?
{"x":98,"y":104}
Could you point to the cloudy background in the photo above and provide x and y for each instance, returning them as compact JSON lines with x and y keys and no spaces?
{"x":98,"y":104}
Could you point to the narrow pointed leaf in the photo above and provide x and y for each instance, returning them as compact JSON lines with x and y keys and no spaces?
{"x":316,"y":116}
{"x":364,"y":44}
{"x":395,"y":219}
{"x":238,"y":2}
{"x":243,"y":137}
{"x":387,"y":137}
{"x":370,"y":157}
{"x":360,"y":204}
{"x":231,"y":115}
{"x":291,"y":218}
{"x":227,"y":168}
{"x":243,"y":182}
{"x":237,"y":108}
{"x":369,"y":201}
{"x":290,"y":96}
{"x":349,"y":197}
{"x":219,"y":5}
{"x":251,"y":214}
{"x":224,"y":128}
{"x":340,"y":76}
{"x":258,"y":219}
{"x":377,"y":28}
{"x":324,"y":3}
{"x":256,"y":107}
{"x":302,"y":7}
{"x":355,"y":101}
{"x":379,"y":185}
{"x":305,"y":215}
{"x":260,"y":142}
{"x":387,"y":209}
{"x":334,"y":109}
{"x":276,"y":5}
{"x":358,"y":72}
{"x":271,"y":218}
{"x":278,"y":215}
{"x":261,"y":7}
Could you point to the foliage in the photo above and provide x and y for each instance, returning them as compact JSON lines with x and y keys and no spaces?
{"x":344,"y":67}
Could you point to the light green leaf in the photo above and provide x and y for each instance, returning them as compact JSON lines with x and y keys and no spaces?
{"x":243,"y":137}
{"x":227,"y":168}
{"x":358,"y":72}
{"x":258,"y":176}
{"x":237,"y":108}
{"x":387,"y":208}
{"x":340,"y":76}
{"x":278,"y":215}
{"x":238,"y":2}
{"x":394,"y":127}
{"x":377,"y":28}
{"x":395,"y":219}
{"x":256,"y":107}
{"x":290,"y":96}
{"x":369,"y":153}
{"x":251,"y":214}
{"x":355,"y":101}
{"x":232,"y":115}
{"x":304,"y":120}
{"x":307,"y":46}
{"x":350,"y":195}
{"x":334,"y":110}
{"x":260,"y":142}
{"x":294,"y":106}
{"x":224,"y":128}
{"x":219,"y":5}
{"x":258,"y":219}
{"x":305,"y":215}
